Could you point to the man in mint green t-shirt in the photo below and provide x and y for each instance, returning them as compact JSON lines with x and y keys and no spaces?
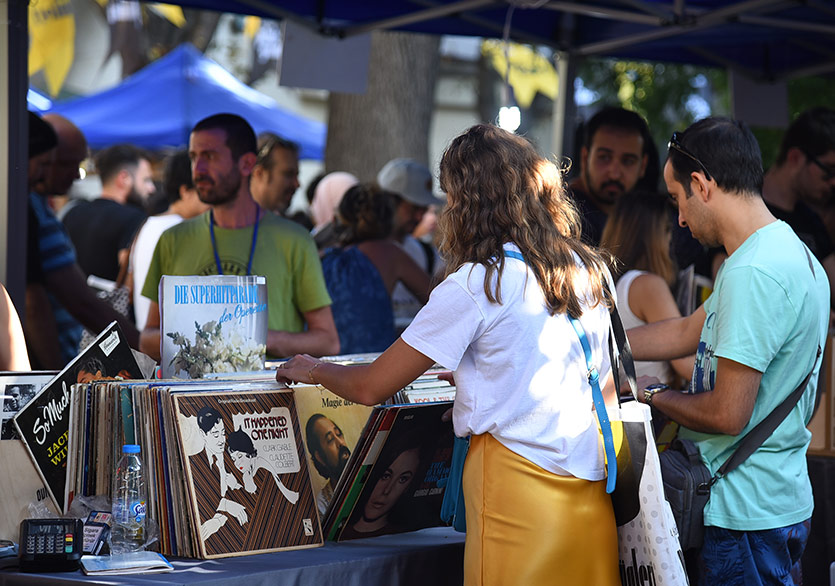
{"x":756,"y":338}
{"x":237,"y":237}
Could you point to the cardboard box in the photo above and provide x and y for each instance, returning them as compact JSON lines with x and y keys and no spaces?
{"x":20,"y":486}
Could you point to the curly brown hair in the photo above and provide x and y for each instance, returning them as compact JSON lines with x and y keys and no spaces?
{"x":500,"y":190}
{"x":366,"y":212}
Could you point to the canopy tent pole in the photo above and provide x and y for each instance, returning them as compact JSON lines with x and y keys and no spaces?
{"x":607,"y":13}
{"x":565,"y":109}
{"x":14,"y":129}
{"x":420,"y":16}
{"x":693,"y":22}
{"x":274,"y":11}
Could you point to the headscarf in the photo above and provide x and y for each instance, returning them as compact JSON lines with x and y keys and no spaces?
{"x":327,"y":196}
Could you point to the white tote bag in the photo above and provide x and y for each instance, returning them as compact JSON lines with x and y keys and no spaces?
{"x":648,"y":546}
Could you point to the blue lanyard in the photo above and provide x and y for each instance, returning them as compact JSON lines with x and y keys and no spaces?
{"x":596,"y":394}
{"x":252,"y":248}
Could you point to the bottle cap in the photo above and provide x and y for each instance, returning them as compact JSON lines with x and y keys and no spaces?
{"x":130,"y":449}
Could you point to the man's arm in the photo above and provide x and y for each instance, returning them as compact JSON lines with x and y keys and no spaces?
{"x":667,"y":339}
{"x":726,"y":409}
{"x":150,"y":337}
{"x":320,"y":338}
{"x":69,"y":286}
{"x":651,"y":301}
{"x":412,"y":275}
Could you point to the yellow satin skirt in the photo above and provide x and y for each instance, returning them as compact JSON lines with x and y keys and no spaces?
{"x":530,"y":527}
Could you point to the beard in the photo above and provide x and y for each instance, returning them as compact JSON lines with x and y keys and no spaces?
{"x":602,"y":193}
{"x":222,"y":191}
{"x":343,"y":457}
{"x":136,"y":200}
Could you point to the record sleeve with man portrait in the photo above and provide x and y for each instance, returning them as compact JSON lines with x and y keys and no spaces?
{"x":16,"y":390}
{"x":331,"y":427}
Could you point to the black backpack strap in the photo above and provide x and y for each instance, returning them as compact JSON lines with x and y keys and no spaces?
{"x":754,"y":438}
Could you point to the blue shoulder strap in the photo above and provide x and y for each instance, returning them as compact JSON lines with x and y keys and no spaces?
{"x":597,"y":396}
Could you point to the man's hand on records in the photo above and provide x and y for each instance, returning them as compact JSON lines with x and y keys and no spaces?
{"x":237,"y":510}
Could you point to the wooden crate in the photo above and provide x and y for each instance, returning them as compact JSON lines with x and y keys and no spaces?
{"x":821,"y":425}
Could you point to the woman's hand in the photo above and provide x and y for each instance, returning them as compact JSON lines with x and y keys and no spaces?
{"x":299,"y":369}
{"x":448,"y":376}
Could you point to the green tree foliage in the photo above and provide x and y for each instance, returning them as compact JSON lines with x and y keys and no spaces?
{"x":663,"y":93}
{"x":803,"y":93}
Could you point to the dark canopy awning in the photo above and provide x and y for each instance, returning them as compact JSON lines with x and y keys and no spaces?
{"x":762,"y":39}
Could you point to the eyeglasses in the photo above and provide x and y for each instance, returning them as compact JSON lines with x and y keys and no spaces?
{"x":675,"y":143}
{"x":828,"y":170}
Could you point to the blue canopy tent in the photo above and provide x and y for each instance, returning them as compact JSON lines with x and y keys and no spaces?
{"x":763,"y":39}
{"x":157,"y":107}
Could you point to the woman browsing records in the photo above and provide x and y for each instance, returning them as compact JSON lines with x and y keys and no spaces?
{"x":534,"y":478}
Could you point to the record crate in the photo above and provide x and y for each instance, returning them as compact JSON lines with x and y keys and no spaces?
{"x":822,"y":424}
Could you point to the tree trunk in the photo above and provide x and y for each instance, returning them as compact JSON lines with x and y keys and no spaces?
{"x":392,"y":118}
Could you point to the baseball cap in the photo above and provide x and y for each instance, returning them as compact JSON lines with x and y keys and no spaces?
{"x":410,"y":180}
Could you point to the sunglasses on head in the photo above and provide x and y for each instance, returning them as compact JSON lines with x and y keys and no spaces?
{"x":270,"y":144}
{"x":265,"y":151}
{"x":675,"y":143}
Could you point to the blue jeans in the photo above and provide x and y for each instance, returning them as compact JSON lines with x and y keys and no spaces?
{"x":753,"y":558}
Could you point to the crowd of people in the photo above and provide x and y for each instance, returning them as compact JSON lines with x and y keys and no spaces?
{"x":237,"y":189}
{"x":519,"y":250}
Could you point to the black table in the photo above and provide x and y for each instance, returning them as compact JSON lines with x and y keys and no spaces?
{"x":429,"y":557}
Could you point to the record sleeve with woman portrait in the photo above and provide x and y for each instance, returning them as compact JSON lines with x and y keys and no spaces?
{"x":248,"y":462}
{"x":404,"y":487}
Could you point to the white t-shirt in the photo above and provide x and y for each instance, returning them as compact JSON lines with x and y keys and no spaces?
{"x":520,"y":373}
{"x":659,"y":369}
{"x":140,"y":260}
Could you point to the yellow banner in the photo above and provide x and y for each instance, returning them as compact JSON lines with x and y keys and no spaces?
{"x":251,"y":26}
{"x":51,"y":41}
{"x":530,"y":72}
{"x":171,"y":13}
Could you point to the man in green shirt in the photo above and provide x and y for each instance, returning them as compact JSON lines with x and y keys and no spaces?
{"x":237,"y":237}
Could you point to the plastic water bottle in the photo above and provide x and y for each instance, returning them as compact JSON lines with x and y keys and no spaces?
{"x":127,"y":532}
